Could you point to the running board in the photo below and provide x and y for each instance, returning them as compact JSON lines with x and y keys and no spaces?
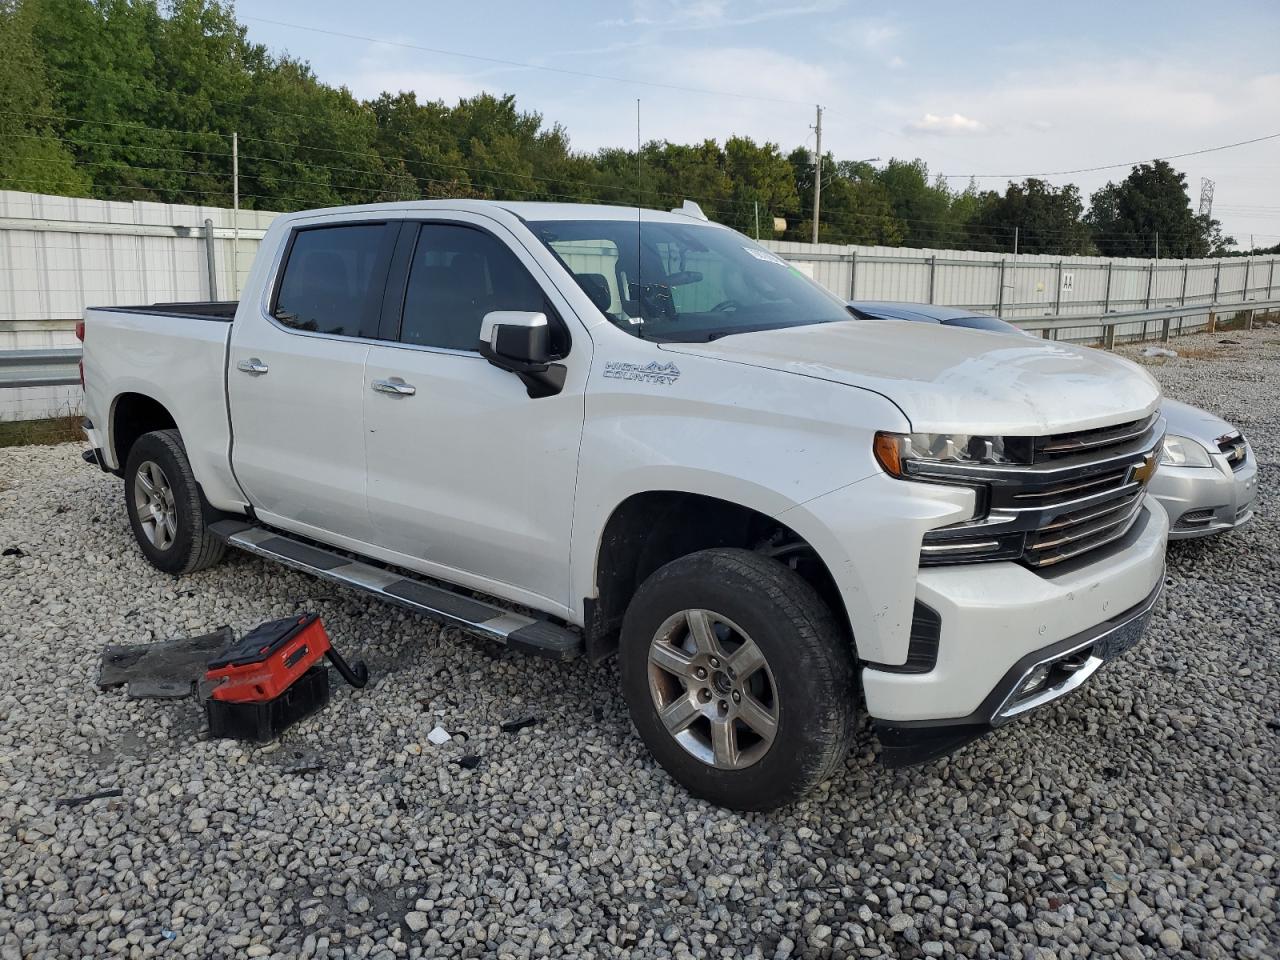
{"x":539,"y":637}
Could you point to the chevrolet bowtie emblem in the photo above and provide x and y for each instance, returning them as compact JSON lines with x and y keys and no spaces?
{"x":1145,"y":470}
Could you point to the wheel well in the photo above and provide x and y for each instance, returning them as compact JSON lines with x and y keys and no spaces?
{"x":649,"y":530}
{"x":134,"y":415}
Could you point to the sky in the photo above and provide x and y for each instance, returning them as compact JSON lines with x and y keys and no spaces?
{"x":995,"y":89}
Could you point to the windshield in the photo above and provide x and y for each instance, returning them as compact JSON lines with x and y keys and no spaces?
{"x":982,"y":323}
{"x":675,"y":281}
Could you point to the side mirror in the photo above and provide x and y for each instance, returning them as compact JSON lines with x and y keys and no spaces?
{"x":515,"y":337}
{"x":520,"y":343}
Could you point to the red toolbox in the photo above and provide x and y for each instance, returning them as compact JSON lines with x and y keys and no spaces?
{"x":270,"y":678}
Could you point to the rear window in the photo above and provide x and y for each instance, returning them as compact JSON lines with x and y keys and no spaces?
{"x":332,"y":280}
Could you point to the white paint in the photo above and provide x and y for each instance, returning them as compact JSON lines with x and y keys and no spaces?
{"x":471,"y":481}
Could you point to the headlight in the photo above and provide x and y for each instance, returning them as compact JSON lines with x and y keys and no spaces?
{"x":896,"y":451}
{"x":1184,"y":452}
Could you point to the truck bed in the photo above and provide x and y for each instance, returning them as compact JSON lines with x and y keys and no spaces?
{"x":223,"y":311}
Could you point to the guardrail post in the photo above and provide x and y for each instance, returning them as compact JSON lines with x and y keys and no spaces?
{"x":210,"y":262}
{"x":1164,"y":330}
{"x":1109,"y":330}
{"x":1182,"y":297}
{"x":1213,"y":322}
{"x":1244,"y":293}
{"x":1000,"y":295}
{"x":1249,"y":323}
{"x":1106,"y":299}
{"x":933,"y":269}
{"x":853,"y":275}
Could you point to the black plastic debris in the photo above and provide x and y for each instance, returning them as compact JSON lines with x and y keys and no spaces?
{"x":88,"y":797}
{"x":514,"y":726}
{"x":469,"y":762}
{"x":169,"y":669}
{"x":13,"y":552}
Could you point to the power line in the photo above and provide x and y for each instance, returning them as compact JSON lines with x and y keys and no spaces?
{"x":1107,"y":166}
{"x":528,"y":66}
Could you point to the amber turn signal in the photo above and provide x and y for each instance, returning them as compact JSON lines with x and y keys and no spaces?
{"x":888,"y":453}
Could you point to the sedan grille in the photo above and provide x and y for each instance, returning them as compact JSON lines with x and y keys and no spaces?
{"x":1233,"y":447}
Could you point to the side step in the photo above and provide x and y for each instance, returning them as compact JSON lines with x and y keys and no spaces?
{"x":539,"y":637}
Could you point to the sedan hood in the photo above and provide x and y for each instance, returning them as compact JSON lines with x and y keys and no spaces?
{"x":954,"y":380}
{"x":1188,"y":421}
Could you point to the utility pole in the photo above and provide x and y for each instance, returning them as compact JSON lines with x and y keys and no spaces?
{"x":817,"y":176}
{"x":235,"y":208}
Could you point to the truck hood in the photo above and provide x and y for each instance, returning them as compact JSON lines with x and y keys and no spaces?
{"x":954,"y":380}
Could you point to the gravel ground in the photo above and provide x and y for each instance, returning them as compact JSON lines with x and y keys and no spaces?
{"x":1138,"y":818}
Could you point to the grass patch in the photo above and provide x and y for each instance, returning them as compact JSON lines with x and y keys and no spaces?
{"x":1200,"y":353}
{"x":23,"y":433}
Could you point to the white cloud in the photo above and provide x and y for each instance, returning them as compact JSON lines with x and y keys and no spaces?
{"x":953,"y":124}
{"x":876,"y":39}
{"x":678,"y":16}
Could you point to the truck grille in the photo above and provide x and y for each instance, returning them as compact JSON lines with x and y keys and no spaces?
{"x":1233,"y":447}
{"x":1079,"y":492}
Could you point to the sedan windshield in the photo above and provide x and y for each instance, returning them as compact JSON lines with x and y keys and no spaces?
{"x":675,"y":281}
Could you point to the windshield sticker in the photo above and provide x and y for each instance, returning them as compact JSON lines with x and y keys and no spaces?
{"x":652,"y":372}
{"x":765,"y":255}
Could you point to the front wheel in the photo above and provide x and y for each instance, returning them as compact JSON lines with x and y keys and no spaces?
{"x":169,"y":517}
{"x":737,"y":678}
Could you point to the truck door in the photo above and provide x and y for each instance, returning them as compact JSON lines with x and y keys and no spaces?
{"x":295,"y":380}
{"x":467,"y":473}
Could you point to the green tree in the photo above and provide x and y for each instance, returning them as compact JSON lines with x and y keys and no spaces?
{"x":1126,"y":218}
{"x":32,"y":157}
{"x":923,"y":208}
{"x":1047,"y":219}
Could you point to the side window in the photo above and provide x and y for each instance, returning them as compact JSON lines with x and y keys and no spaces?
{"x":330,"y":278}
{"x":458,"y":275}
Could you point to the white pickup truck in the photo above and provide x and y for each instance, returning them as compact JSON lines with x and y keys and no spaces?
{"x":589,"y":429}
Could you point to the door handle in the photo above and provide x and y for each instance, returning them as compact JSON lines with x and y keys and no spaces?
{"x":252,"y":365}
{"x":395,"y":386}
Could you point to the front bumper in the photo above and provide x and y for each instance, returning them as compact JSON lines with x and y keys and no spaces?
{"x":1206,"y":500}
{"x":998,"y":617}
{"x":1068,"y":663}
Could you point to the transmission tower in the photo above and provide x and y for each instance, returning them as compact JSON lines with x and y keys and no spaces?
{"x":1206,"y":197}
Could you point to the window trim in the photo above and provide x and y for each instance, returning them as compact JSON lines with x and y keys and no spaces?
{"x":391,"y":326}
{"x":372,"y":307}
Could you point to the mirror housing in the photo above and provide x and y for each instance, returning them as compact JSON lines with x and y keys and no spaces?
{"x":520,"y":342}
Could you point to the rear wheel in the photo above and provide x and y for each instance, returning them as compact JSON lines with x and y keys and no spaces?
{"x":168,"y":515}
{"x":738,"y":678}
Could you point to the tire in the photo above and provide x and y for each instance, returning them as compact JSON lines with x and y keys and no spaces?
{"x":691,"y":615}
{"x":170,"y":520}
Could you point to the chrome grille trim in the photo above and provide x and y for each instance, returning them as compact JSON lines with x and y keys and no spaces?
{"x":1063,"y":444}
{"x":1084,"y":494}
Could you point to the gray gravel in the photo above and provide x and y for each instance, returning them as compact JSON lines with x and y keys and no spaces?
{"x":1138,"y":818}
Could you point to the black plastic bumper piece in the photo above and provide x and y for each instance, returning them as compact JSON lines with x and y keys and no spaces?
{"x":909,"y":746}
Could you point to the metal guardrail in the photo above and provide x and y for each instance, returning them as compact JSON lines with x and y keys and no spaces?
{"x":40,"y":368}
{"x":1051,"y":327}
{"x":59,"y":367}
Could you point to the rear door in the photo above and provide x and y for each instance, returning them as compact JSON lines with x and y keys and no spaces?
{"x":468,"y":475}
{"x":295,"y":380}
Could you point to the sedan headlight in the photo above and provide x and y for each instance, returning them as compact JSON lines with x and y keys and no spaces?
{"x":895,"y":452}
{"x":1184,"y":452}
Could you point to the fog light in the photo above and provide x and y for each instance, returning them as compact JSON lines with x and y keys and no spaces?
{"x":1034,"y":680}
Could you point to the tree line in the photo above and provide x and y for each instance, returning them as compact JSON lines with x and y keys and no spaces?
{"x":137,"y":100}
